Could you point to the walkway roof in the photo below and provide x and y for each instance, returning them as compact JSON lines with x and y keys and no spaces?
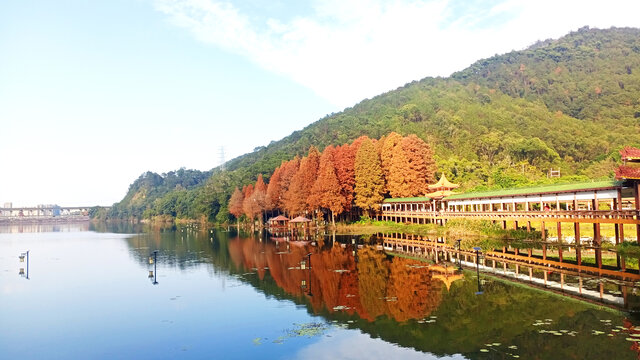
{"x":408,"y":199}
{"x":545,"y":189}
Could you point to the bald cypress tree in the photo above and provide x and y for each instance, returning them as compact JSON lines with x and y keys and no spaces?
{"x":326,"y":191}
{"x":368,"y":176}
{"x":420,"y":167}
{"x":235,"y":205}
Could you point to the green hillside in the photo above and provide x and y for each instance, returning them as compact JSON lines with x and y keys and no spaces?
{"x":565,"y":104}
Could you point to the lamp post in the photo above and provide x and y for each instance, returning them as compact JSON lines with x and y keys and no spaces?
{"x":22,"y":259}
{"x":153,"y":274}
{"x":477,"y":249}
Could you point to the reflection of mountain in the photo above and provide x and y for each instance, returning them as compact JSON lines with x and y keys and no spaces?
{"x":382,"y":295}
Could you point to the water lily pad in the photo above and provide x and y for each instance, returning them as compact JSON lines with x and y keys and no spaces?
{"x":256,"y":341}
{"x":484,"y":350}
{"x":513,"y":347}
{"x":496,"y":344}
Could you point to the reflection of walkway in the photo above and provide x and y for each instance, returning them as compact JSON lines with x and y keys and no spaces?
{"x":568,"y":279}
{"x":419,"y":243}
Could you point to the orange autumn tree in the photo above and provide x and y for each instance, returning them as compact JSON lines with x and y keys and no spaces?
{"x":326,"y":191}
{"x":274,"y":189}
{"x":419,"y":167}
{"x":289,"y":169}
{"x":296,"y":197}
{"x":235,"y":204}
{"x":369,"y":184}
{"x":248,"y":207}
{"x":344,"y":159}
{"x":257,"y":199}
{"x":393,"y":164}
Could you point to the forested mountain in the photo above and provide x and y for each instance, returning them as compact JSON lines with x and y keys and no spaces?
{"x":169,"y":192}
{"x":565,"y":104}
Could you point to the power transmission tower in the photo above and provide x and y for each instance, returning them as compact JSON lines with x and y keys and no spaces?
{"x":221,"y":160}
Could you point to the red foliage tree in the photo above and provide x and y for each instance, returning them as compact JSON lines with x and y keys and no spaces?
{"x":344,"y":159}
{"x":296,"y":197}
{"x":274,"y":189}
{"x":289,"y":169}
{"x":235,"y":204}
{"x":247,"y":206}
{"x":257,"y":199}
{"x":326,"y":191}
{"x":420,"y":167}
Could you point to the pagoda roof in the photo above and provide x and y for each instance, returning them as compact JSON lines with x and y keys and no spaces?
{"x":443,"y":183}
{"x":628,"y":172}
{"x":629,"y":153}
{"x":300,"y":219}
{"x":279,"y":218}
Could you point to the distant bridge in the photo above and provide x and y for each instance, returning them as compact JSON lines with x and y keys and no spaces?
{"x":45,"y":211}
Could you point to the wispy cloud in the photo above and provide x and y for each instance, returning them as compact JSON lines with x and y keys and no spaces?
{"x":349,"y":50}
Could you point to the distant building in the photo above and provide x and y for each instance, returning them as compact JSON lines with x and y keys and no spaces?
{"x":8,"y":205}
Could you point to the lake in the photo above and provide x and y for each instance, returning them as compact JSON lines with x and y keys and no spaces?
{"x":95,"y":291}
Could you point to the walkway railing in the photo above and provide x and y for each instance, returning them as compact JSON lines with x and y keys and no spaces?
{"x":597,"y":216}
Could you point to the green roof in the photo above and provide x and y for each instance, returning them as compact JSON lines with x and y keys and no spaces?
{"x":407,"y":199}
{"x":554,"y":188}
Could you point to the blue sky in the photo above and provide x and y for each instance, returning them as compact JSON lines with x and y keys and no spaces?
{"x":93,"y":93}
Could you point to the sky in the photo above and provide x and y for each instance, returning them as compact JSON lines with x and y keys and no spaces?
{"x":95,"y":93}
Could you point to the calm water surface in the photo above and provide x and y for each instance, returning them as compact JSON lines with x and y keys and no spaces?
{"x":219,"y":295}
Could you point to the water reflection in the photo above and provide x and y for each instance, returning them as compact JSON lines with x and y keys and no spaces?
{"x":42,"y":228}
{"x":416,"y":298}
{"x":337,"y":291}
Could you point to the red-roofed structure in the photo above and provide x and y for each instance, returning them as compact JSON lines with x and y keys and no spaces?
{"x":628,"y":172}
{"x":631,"y":154}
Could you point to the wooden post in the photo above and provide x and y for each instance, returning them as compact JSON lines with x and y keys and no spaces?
{"x":528,"y":226}
{"x":636,"y":194}
{"x":576,"y":231}
{"x":544,"y":251}
{"x":559,"y":226}
{"x":504,"y":224}
{"x":560,"y":252}
{"x":542,"y":230}
{"x":597,"y":240}
{"x":616,"y":228}
{"x":515,"y":226}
